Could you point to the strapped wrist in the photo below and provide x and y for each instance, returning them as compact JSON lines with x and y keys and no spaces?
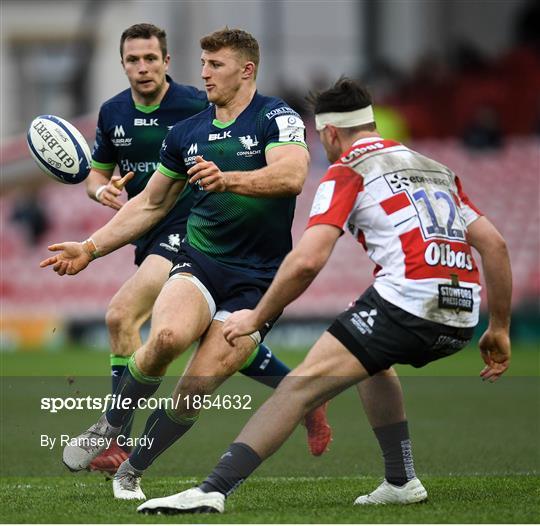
{"x":90,"y":247}
{"x":99,"y":191}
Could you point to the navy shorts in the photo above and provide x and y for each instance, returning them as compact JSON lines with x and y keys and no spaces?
{"x":380,"y":335}
{"x":227,"y":289}
{"x":164,"y":241}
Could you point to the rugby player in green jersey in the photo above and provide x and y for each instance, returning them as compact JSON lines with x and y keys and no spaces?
{"x":238,"y":232}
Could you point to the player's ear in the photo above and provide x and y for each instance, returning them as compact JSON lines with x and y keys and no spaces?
{"x":167,"y":60}
{"x":249,"y":70}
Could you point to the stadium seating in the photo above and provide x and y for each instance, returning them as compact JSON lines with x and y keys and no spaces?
{"x":503,"y":184}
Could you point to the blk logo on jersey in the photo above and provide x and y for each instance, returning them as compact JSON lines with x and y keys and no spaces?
{"x":219,"y":136}
{"x":145,"y":122}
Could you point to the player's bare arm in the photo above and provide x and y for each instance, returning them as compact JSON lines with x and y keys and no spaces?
{"x":294,"y":276}
{"x":136,"y":217}
{"x":495,"y":342}
{"x":284,"y":175}
{"x":105,"y":188}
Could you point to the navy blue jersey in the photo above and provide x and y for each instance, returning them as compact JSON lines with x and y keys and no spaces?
{"x":251,"y":233}
{"x":130,"y":136}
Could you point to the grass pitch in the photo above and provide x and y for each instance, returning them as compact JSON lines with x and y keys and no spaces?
{"x":457,"y":499}
{"x":475,"y":445}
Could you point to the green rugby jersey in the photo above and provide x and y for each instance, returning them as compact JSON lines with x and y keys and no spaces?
{"x":251,"y":233}
{"x":130,"y":136}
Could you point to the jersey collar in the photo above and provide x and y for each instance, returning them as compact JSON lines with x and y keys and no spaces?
{"x":367,"y":139}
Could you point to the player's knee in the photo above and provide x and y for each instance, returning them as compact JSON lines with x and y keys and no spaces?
{"x":299,"y":389}
{"x":164,"y":347}
{"x":118,"y":319}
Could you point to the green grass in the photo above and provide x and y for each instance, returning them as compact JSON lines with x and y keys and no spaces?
{"x":94,"y":362}
{"x":475,"y":445}
{"x":87,"y":499}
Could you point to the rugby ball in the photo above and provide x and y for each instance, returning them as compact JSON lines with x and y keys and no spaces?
{"x":59,"y":149}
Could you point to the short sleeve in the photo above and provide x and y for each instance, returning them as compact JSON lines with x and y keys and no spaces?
{"x":469,"y":211}
{"x":335,"y":197}
{"x":104,"y":152}
{"x":283,"y":126}
{"x":171,"y":159}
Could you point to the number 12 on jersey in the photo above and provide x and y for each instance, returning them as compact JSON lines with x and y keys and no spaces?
{"x":435,"y":222}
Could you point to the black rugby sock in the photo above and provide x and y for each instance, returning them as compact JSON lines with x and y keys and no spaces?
{"x":235,"y":465}
{"x":397,"y":452}
{"x":133,"y":385}
{"x":161,"y":431}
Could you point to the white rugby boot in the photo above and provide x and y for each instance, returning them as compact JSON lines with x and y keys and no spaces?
{"x":193,"y":500}
{"x":127,"y":483}
{"x":84,"y":448}
{"x":387,"y":493}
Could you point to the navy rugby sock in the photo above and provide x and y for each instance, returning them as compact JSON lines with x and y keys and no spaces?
{"x":265,"y":367}
{"x":397,"y":452}
{"x":162,"y":430}
{"x":118,"y":366}
{"x":133,"y":385}
{"x":235,"y":465}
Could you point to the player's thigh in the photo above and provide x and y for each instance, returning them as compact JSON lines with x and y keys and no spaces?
{"x":215,"y":357}
{"x":180,"y":316}
{"x":137,"y":295}
{"x":214,"y":360}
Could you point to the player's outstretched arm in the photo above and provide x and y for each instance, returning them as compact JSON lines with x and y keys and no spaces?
{"x":284,"y":175}
{"x":136,"y":217}
{"x":294,"y":276}
{"x":495,"y":342}
{"x":105,"y":188}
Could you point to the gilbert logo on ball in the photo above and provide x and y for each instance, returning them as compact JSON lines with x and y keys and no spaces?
{"x":59,"y":149}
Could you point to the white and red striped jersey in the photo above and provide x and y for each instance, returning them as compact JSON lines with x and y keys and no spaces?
{"x":411,"y":215}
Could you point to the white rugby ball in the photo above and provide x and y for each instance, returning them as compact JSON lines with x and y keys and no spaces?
{"x":59,"y":149}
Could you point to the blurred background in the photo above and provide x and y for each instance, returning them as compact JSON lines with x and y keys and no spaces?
{"x":458,"y":80}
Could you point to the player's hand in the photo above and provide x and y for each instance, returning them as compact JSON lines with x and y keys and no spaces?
{"x":207,"y":176}
{"x":71,"y":260}
{"x":239,"y":323}
{"x":108,"y":194}
{"x":495,"y":350}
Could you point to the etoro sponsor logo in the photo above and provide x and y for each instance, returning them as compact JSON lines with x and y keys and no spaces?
{"x":398,"y":182}
{"x":120,"y":138}
{"x":443,"y":254}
